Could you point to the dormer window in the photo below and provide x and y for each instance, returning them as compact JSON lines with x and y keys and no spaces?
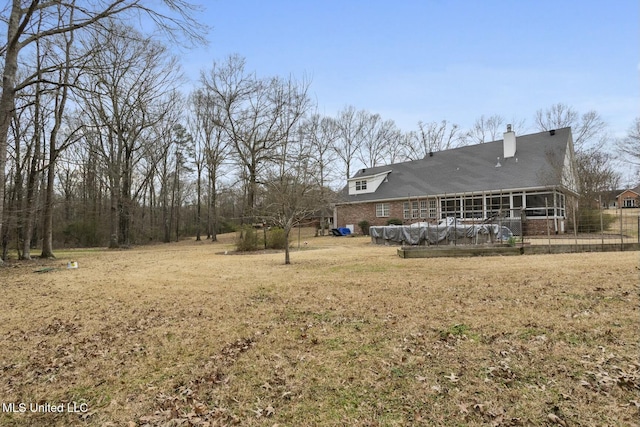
{"x":367,"y":184}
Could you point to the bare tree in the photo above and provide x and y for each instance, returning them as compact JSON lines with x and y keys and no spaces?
{"x":63,"y":81}
{"x":588,"y":129}
{"x":128,"y":89}
{"x":259,"y":115}
{"x":396,"y":150}
{"x":351,"y":127}
{"x":321,"y":133}
{"x":161,"y":156}
{"x":291,"y":188}
{"x":212,"y":147}
{"x":34,"y":170}
{"x":491,"y":128}
{"x":20,"y":156}
{"x":196,"y":127}
{"x":594,"y":166}
{"x":596,"y":173}
{"x":629,"y":146}
{"x":378,"y":137}
{"x":431,"y":137}
{"x":32,"y":20}
{"x":486,"y":129}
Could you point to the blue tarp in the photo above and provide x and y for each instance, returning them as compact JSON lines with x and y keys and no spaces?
{"x":342,"y":231}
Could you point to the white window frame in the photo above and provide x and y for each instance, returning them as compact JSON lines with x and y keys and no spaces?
{"x":383,"y":210}
{"x":424,"y":209}
{"x":415,"y":209}
{"x":361,"y":185}
{"x":433,"y":208}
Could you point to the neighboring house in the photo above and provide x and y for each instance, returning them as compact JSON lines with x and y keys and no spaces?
{"x":609,"y":199}
{"x":531,"y":174}
{"x":629,"y":198}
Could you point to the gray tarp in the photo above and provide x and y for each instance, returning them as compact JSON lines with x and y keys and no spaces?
{"x":432,"y":234}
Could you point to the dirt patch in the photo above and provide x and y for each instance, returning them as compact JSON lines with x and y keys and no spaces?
{"x":349,"y":334}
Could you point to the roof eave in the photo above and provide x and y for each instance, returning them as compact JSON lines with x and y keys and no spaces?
{"x":426,"y":196}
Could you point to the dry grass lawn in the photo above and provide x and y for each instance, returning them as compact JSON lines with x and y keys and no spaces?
{"x":348,"y":335}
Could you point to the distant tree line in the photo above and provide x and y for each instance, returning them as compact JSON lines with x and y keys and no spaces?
{"x":99,"y":147}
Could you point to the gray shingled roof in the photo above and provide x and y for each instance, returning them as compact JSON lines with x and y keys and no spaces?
{"x":473,"y":169}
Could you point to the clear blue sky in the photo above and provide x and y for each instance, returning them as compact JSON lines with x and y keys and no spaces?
{"x":431,"y":60}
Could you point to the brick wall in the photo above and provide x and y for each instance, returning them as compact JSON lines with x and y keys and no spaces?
{"x":538,"y":227}
{"x":353,"y":214}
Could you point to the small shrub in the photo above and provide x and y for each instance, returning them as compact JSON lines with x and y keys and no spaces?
{"x":394,"y":221}
{"x":589,"y":221}
{"x":276,"y":239}
{"x":364,"y":227}
{"x":248,"y":239}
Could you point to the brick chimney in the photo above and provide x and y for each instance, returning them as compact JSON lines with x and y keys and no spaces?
{"x":509,"y":143}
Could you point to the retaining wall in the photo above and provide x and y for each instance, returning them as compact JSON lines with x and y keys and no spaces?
{"x":503,"y":250}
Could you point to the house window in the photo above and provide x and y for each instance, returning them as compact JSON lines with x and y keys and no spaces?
{"x":629,"y":202}
{"x":415,"y":210}
{"x":517,"y":203}
{"x":473,"y":207}
{"x":361,"y":185}
{"x":450,"y":207}
{"x":382,"y":210}
{"x":433,"y":208}
{"x":497,"y":204}
{"x":424,"y":211}
{"x":411,"y":210}
{"x":540,"y":204}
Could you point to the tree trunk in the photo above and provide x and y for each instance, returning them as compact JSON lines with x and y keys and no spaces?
{"x":124,"y":207}
{"x":47,"y":227}
{"x":32,"y":180}
{"x":287,"y":231}
{"x":214,"y":210}
{"x":114,"y":215}
{"x":164,"y":192}
{"x":251,"y":194}
{"x":32,"y":183}
{"x":16,"y":198}
{"x":199,"y":203}
{"x":7,"y":99}
{"x":177,"y":207}
{"x":209,"y":212}
{"x":171,"y":211}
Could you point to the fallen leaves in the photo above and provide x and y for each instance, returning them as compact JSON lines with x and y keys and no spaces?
{"x":452,"y":377}
{"x":556,"y":419}
{"x":384,"y":350}
{"x":185,"y":406}
{"x":264,"y":412}
{"x":608,"y":371}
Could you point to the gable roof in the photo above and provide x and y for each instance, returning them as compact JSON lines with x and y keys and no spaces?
{"x":539,"y":161}
{"x":635,"y":190}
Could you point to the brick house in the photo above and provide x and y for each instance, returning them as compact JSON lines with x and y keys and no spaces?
{"x":629,"y":198}
{"x":529,"y":176}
